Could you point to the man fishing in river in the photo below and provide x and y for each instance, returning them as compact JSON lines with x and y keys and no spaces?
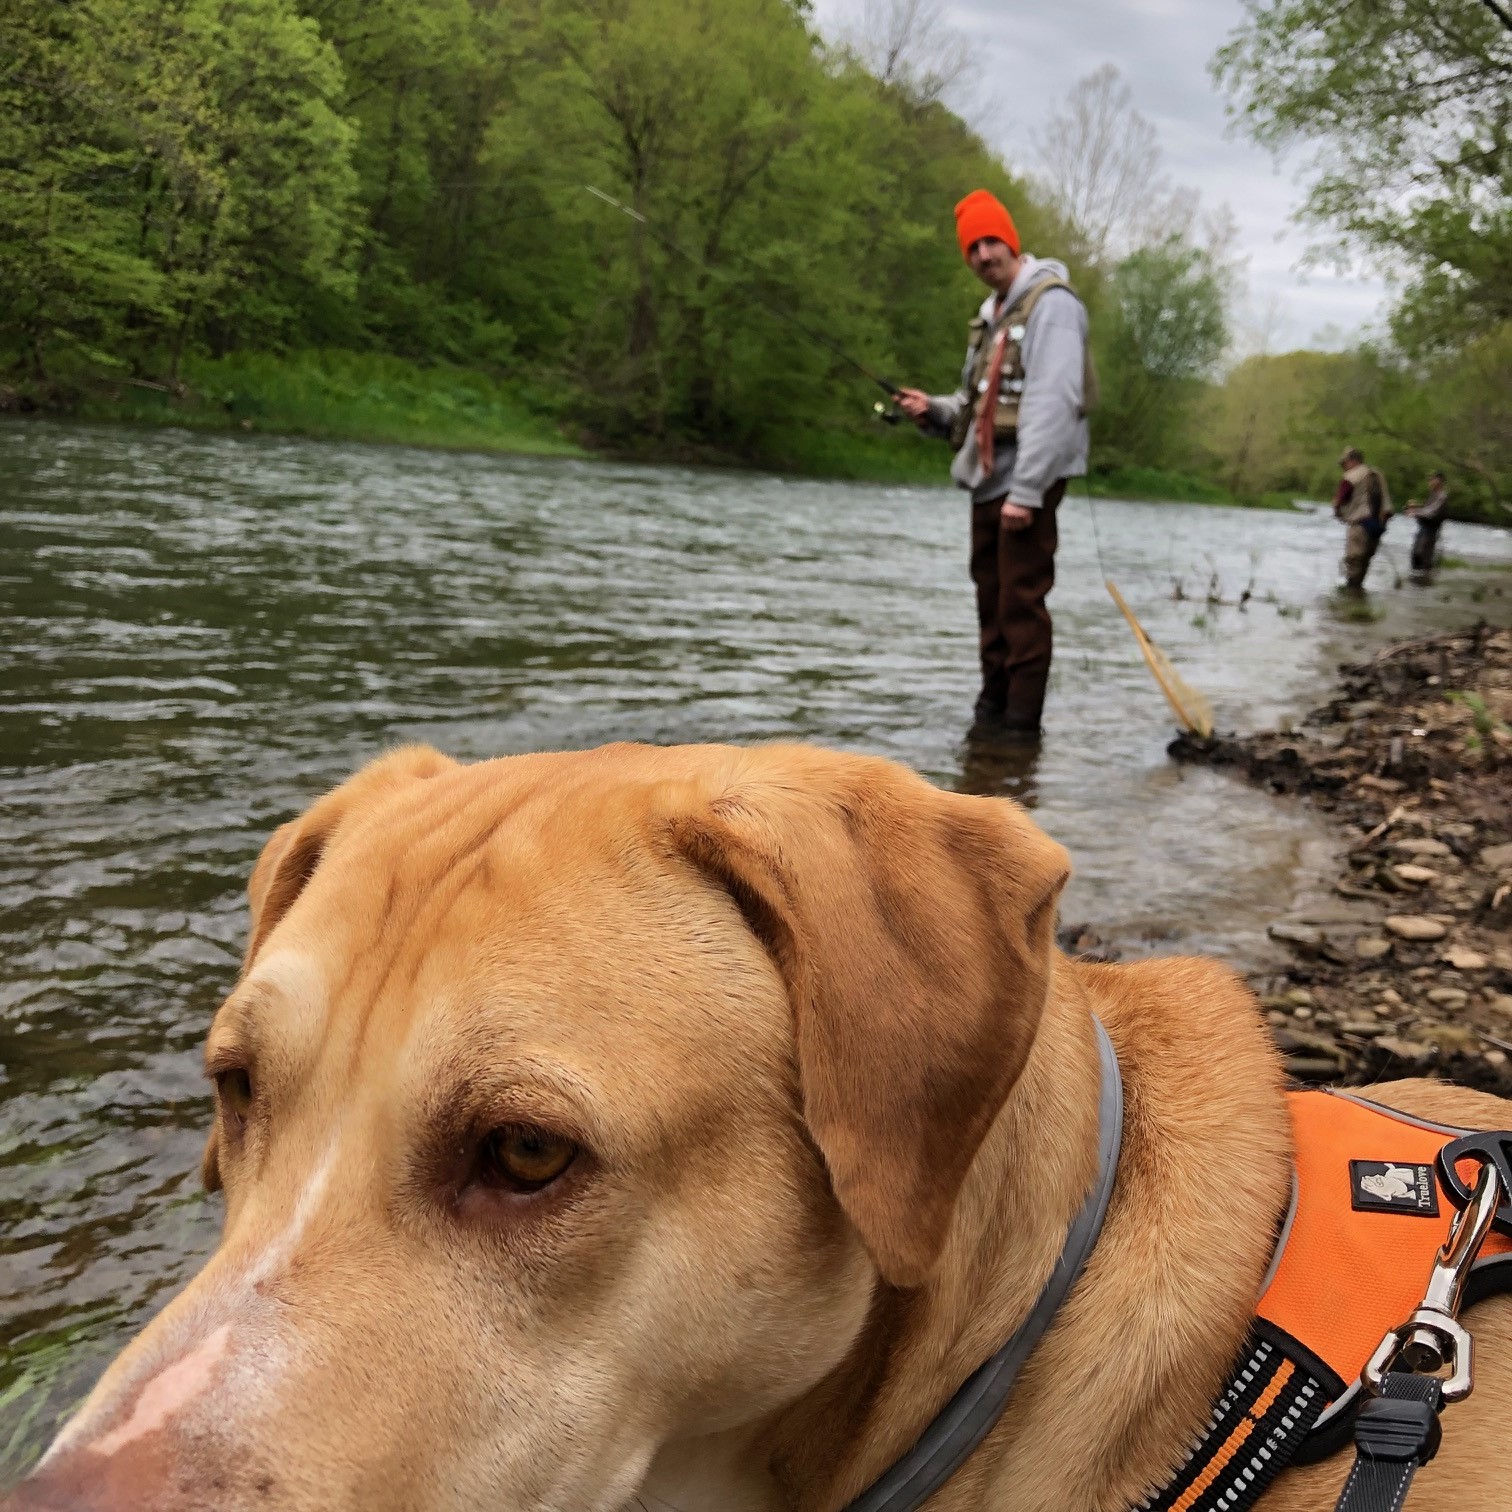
{"x":1018,"y":423}
{"x":1430,"y":516}
{"x":1363,"y":504}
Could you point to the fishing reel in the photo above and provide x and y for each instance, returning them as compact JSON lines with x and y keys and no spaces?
{"x":888,"y":414}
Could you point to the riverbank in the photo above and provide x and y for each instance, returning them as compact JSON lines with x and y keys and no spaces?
{"x":382,"y":399}
{"x":325,"y":395}
{"x":1404,"y":968}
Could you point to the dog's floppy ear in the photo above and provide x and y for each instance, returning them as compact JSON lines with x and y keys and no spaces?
{"x":914,"y":930}
{"x":290,"y":857}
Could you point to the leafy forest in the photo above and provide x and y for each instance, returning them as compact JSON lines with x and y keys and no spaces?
{"x":369,"y":217}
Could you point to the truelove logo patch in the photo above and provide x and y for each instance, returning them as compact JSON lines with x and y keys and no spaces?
{"x":1385,"y":1186}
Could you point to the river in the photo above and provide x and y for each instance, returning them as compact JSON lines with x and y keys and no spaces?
{"x":201,"y":633}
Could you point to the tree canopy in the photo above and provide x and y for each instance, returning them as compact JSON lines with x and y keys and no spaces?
{"x":1407,"y":108}
{"x":166,"y":167}
{"x":407,"y":176}
{"x":182,"y":180}
{"x":1408,"y":104}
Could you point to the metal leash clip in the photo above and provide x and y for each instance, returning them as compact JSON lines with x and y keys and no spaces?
{"x":1431,"y":1339}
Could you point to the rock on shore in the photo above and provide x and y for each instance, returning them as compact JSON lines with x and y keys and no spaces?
{"x":1409,"y":969}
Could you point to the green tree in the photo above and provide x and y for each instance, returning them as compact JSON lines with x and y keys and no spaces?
{"x":1408,"y":104}
{"x":247,"y":177}
{"x":69,"y":270}
{"x":687,"y":110}
{"x":408,"y":175}
{"x":1161,"y":334}
{"x":168,"y":165}
{"x":1270,"y":428}
{"x":1450,"y":414}
{"x":424,"y":82}
{"x":787,"y":173}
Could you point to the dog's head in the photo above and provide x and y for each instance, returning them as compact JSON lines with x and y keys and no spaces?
{"x":569,"y":1107}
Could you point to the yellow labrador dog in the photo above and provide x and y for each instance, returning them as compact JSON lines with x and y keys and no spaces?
{"x":679,"y":1128}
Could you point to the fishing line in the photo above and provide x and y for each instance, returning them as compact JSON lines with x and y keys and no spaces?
{"x":1096,"y":539}
{"x":775,"y":311}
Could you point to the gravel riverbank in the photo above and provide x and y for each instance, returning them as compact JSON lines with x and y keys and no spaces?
{"x":1405,"y":967}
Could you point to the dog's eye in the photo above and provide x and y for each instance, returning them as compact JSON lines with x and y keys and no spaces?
{"x":523,"y":1158}
{"x":234,"y":1088}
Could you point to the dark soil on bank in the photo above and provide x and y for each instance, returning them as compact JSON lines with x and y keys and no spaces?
{"x":1407,"y":969}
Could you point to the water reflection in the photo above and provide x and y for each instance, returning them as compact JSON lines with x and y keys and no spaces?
{"x":999,"y":765}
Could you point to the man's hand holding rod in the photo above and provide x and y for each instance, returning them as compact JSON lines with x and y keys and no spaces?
{"x":915,"y":404}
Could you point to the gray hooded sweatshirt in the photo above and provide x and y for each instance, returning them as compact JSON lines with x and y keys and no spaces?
{"x":1053,"y":438}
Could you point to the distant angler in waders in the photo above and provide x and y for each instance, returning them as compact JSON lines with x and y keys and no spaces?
{"x":1018,"y":423}
{"x":1430,"y":515}
{"x":1364,"y":505}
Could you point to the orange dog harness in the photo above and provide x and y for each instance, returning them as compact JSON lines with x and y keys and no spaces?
{"x":1372,"y":1204}
{"x":1364,"y":1248}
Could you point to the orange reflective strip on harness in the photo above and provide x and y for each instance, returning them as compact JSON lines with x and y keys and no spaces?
{"x":1243,"y":1431}
{"x":1346,"y":1276}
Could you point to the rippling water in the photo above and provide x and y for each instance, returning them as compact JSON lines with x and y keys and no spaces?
{"x":202,"y":633}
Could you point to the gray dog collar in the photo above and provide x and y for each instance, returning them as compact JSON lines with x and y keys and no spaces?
{"x":970,"y":1414}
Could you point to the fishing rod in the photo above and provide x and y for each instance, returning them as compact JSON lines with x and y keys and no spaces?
{"x":892,"y":390}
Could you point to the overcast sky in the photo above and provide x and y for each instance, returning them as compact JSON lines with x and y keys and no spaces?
{"x":1033,"y":55}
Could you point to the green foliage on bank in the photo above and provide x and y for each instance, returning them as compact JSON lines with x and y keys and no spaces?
{"x":1279,"y":422}
{"x":367,"y":218}
{"x":337,"y":395}
{"x":183,"y":179}
{"x":1161,"y":485}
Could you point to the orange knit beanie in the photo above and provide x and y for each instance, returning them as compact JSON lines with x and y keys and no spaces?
{"x":983,"y":214}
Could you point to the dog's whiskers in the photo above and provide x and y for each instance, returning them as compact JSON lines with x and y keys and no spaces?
{"x":642,"y":1503}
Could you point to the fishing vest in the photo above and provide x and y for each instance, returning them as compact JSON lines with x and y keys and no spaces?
{"x":1370,"y":498}
{"x":1371,"y":1204}
{"x":1012,"y":325}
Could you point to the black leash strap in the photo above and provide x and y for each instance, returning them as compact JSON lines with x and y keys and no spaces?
{"x":1395,"y":1433}
{"x":1255,"y":1431}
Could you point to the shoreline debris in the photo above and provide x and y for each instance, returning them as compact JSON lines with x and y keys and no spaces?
{"x":1410,"y":970}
